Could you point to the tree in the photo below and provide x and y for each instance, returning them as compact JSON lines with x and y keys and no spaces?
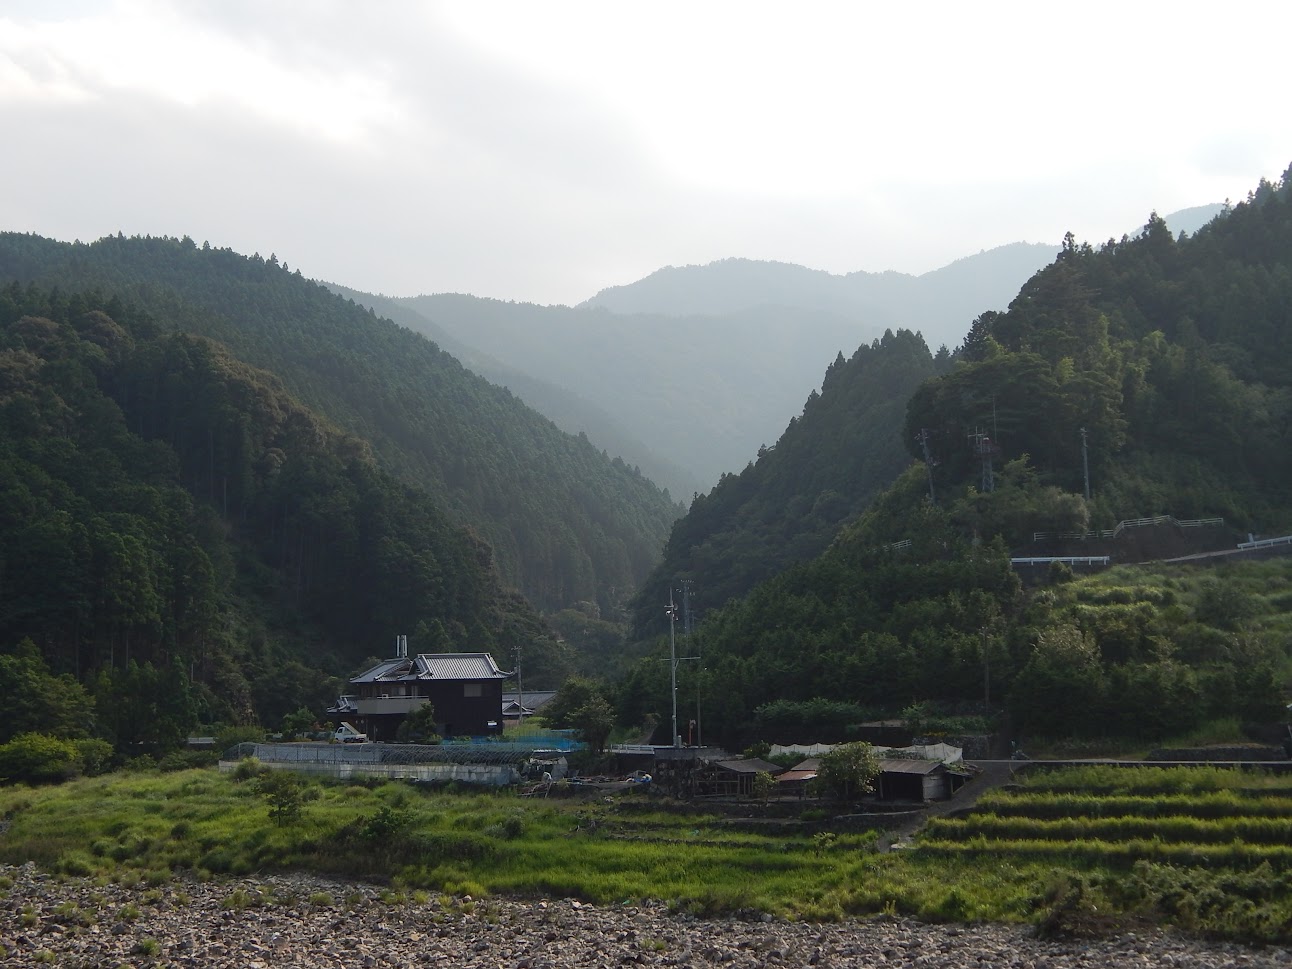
{"x":574,"y":694}
{"x":595,"y":719}
{"x":286,"y":795}
{"x":36,"y":700}
{"x":419,"y":726}
{"x":299,"y":722}
{"x":847,"y":771}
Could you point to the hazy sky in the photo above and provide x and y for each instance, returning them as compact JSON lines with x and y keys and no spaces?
{"x":543,"y":151}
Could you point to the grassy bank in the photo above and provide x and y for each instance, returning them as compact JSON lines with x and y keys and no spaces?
{"x":1003,"y":863}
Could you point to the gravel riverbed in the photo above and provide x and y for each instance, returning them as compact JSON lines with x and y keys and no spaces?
{"x":306,"y":922}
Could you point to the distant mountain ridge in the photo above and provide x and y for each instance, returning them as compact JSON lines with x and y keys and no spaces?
{"x":939,"y":304}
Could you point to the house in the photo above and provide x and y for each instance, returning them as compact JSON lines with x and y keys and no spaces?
{"x":465,"y":690}
{"x":516,"y":705}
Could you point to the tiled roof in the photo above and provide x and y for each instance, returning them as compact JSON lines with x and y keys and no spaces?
{"x":458,"y":666}
{"x":387,"y":670}
{"x":434,"y":666}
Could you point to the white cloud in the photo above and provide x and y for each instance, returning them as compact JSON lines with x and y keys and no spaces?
{"x":536,"y":151}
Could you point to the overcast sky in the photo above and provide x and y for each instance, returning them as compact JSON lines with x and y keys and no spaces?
{"x":542,"y":151}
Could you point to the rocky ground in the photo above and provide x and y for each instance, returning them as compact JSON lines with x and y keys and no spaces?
{"x":304,"y":922}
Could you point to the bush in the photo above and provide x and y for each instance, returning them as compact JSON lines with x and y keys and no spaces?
{"x":96,"y":755}
{"x":39,"y":759}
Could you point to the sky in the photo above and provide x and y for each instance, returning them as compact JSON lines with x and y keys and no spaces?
{"x":543,"y":151}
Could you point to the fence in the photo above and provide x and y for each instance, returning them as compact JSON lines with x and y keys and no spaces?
{"x":1129,"y":523}
{"x":1068,"y":559}
{"x":1266,"y":542}
{"x":492,"y":764}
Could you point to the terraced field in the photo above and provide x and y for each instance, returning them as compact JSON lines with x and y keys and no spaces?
{"x":1204,"y":848}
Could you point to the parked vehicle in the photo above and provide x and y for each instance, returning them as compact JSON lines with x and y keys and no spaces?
{"x":347,"y":734}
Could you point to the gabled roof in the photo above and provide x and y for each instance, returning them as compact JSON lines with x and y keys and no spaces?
{"x":433,"y":666}
{"x":387,"y":671}
{"x":458,"y":666}
{"x":750,"y":765}
{"x":902,"y":765}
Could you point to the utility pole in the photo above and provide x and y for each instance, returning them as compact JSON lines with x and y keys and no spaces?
{"x":520,"y":691}
{"x":671,"y":611}
{"x":686,"y":629}
{"x":982,"y":445}
{"x":1085,"y":462}
{"x":923,"y":438}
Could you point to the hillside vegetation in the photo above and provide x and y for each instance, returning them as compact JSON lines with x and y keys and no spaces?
{"x":181,"y":540}
{"x":1175,"y":357}
{"x":566,"y":524}
{"x":788,"y":504}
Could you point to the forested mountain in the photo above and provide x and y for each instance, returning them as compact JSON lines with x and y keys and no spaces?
{"x":566,"y":523}
{"x":568,"y":407}
{"x":787,"y":506}
{"x":702,"y":391}
{"x":1175,"y":357}
{"x":183,"y":538}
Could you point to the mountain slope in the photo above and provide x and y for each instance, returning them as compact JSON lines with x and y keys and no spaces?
{"x":1173,"y":357}
{"x":565,"y":523}
{"x":787,"y":506}
{"x":573,"y":412}
{"x":704,"y":392}
{"x":189,"y":541}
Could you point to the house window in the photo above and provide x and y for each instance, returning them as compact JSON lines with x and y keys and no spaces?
{"x":473,"y":689}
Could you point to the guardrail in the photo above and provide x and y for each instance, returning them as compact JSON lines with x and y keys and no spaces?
{"x":1130,"y":523}
{"x":1266,"y":542}
{"x":1069,"y":559}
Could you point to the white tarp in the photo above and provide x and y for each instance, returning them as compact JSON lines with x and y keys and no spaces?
{"x":940,"y":752}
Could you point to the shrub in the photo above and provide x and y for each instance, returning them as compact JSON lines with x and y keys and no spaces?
{"x":286,"y":794}
{"x":39,"y":759}
{"x":95,"y":755}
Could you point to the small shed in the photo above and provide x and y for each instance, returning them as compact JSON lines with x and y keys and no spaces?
{"x":796,"y":779}
{"x":737,"y":776}
{"x":902,"y":779}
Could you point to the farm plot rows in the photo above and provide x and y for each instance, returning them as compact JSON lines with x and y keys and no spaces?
{"x":1205,"y":848}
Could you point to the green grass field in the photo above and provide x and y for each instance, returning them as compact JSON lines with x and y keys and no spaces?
{"x":1203,"y":849}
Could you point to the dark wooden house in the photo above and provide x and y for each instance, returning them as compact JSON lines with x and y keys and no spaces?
{"x":465,"y":690}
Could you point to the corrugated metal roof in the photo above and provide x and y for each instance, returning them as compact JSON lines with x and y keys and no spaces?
{"x":904,"y":766}
{"x":751,"y":765}
{"x":790,"y":776}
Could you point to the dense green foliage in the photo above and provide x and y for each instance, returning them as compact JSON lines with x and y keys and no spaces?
{"x":565,"y":523}
{"x":1174,"y":355}
{"x":788,"y":505}
{"x":1175,"y":358}
{"x":181,"y":540}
